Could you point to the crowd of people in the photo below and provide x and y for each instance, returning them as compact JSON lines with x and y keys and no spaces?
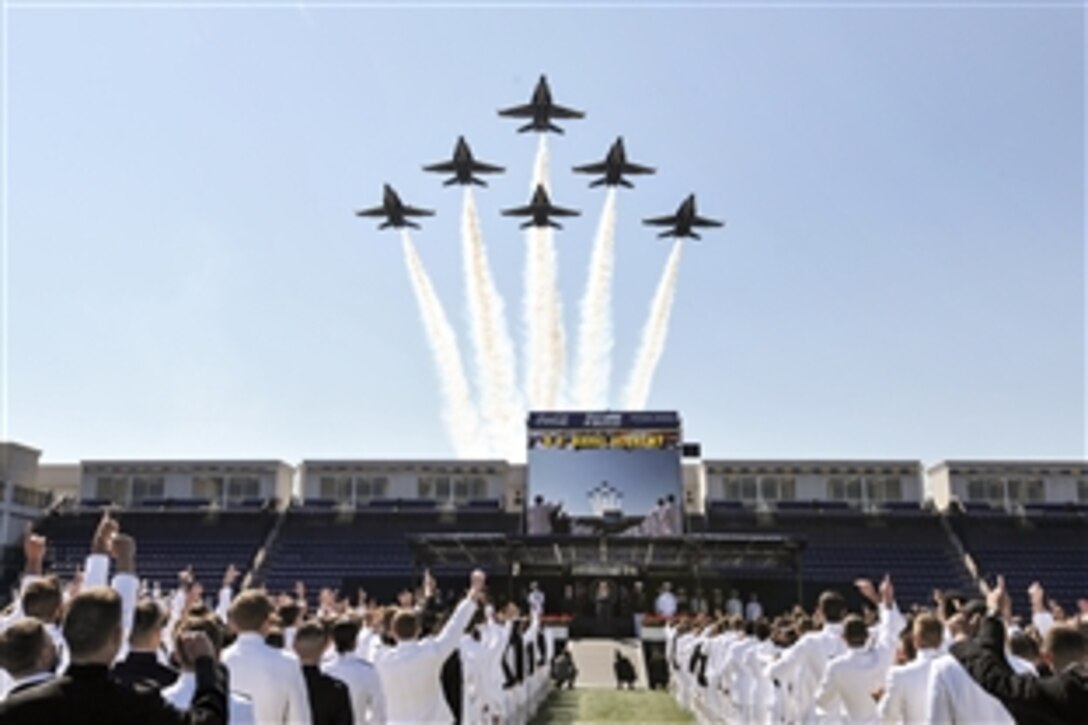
{"x":960,"y":661}
{"x":665,"y":518}
{"x":100,"y":650}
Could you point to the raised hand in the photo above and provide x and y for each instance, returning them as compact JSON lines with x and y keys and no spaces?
{"x":104,"y":533}
{"x":196,"y":645}
{"x":887,"y":591}
{"x":123,"y":550}
{"x":477,"y":583}
{"x":34,"y":546}
{"x":230,"y":576}
{"x":866,"y":589}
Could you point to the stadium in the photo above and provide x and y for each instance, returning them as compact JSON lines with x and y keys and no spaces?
{"x":782,"y":530}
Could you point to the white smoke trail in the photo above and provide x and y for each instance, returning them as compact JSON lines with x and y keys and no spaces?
{"x":494,"y":354}
{"x":653,"y":334}
{"x":458,"y":410}
{"x":545,"y":348}
{"x":595,"y":329}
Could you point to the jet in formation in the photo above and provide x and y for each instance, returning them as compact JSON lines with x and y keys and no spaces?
{"x":394,"y":211}
{"x":683,"y":221}
{"x":613,"y":168}
{"x":463,"y":166}
{"x":541,"y":110}
{"x":540,"y":208}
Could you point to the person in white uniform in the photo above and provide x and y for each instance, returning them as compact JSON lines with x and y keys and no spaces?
{"x":410,"y":671}
{"x":271,"y":678}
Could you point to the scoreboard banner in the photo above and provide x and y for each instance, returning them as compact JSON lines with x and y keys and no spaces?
{"x":609,"y":419}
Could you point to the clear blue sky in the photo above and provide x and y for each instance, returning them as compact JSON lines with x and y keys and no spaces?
{"x":902,"y":273}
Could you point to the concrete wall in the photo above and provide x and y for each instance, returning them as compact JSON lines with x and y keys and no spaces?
{"x":1060,"y":480}
{"x":60,"y":478}
{"x":275,"y":478}
{"x":403,"y":477}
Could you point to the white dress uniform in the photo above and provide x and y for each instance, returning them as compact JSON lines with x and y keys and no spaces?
{"x":180,"y":695}
{"x":364,"y":685}
{"x":271,"y":679}
{"x":410,"y":672}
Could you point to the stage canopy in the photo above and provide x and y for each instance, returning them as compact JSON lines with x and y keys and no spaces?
{"x":699,"y":554}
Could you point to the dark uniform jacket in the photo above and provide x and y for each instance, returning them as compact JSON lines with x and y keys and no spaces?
{"x":86,"y":695}
{"x":1061,"y":698}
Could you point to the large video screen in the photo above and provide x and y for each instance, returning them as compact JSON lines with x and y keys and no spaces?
{"x":599,"y":464}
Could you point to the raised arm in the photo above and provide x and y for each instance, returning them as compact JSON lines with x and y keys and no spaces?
{"x":446,"y":641}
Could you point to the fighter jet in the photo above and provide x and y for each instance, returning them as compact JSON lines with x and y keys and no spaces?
{"x":463,"y":166}
{"x":394,"y":211}
{"x":541,"y":109}
{"x":682,"y":221}
{"x":540,"y":208}
{"x":614,"y":166}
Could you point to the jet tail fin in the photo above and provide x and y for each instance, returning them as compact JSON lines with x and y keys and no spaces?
{"x":597,"y":182}
{"x":552,"y":127}
{"x":411,"y":224}
{"x":476,"y":181}
{"x":625,"y":183}
{"x":527,"y":127}
{"x":526,"y":225}
{"x":450,"y":182}
{"x":554,"y":224}
{"x":385,"y":225}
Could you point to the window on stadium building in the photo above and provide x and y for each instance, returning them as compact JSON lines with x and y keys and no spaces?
{"x":370,"y":487}
{"x":778,"y":488}
{"x":209,"y":487}
{"x":243,"y":487}
{"x":336,"y":487}
{"x":1026,"y":490}
{"x":145,"y":487}
{"x":844,"y":488}
{"x":112,"y":488}
{"x":878,"y":490}
{"x":1082,"y":491}
{"x":29,"y":497}
{"x":740,"y":488}
{"x":990,"y":490}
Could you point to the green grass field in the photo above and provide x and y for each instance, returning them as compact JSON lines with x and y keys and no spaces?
{"x":592,"y":706}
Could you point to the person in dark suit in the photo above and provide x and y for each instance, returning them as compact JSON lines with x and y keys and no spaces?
{"x":624,"y":670}
{"x":85,"y":694}
{"x":142,"y":667}
{"x":1059,"y":698}
{"x":27,"y":654}
{"x":330,"y":700}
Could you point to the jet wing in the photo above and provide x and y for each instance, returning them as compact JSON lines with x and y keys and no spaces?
{"x":598,"y":168}
{"x":376,"y":211}
{"x":518,"y":112}
{"x":638,"y":169}
{"x":445,"y":166}
{"x":413,"y":211}
{"x":519,"y":211}
{"x":564,"y":112}
{"x":560,"y":211}
{"x":661,"y":221}
{"x":701,"y":222}
{"x":487,"y":168}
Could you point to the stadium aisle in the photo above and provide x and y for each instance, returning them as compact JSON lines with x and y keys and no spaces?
{"x":599,"y":705}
